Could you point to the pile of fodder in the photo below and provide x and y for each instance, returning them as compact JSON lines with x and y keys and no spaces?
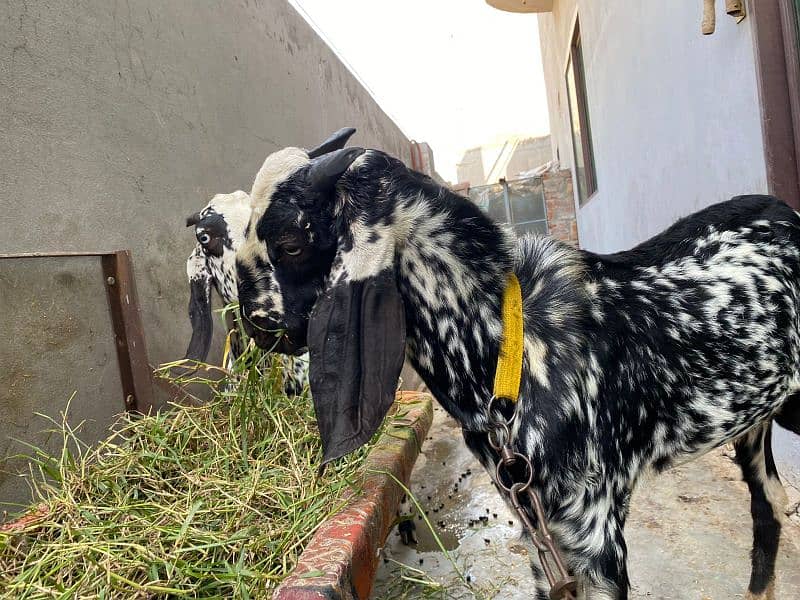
{"x":210,"y":501}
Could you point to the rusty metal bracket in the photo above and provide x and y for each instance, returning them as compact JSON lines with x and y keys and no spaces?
{"x":123,"y":302}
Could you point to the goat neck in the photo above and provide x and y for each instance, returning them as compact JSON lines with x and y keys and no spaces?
{"x":450,"y":262}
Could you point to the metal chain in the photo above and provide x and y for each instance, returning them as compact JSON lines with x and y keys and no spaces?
{"x":563,"y":586}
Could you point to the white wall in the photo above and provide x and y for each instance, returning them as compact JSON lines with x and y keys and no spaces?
{"x":674,"y":117}
{"x":674,"y":114}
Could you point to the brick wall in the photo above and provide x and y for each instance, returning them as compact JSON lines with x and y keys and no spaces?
{"x":560,"y":206}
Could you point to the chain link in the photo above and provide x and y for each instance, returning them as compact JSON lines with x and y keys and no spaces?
{"x":563,"y":586}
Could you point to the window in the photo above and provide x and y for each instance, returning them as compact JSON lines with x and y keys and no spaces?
{"x":517,"y":203}
{"x":583,"y":154}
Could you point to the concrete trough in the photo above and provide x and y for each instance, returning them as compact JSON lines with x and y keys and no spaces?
{"x":340,"y":561}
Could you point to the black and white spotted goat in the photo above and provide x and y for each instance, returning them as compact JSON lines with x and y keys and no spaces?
{"x":633,"y":361}
{"x":220,"y":232}
{"x":219,"y":229}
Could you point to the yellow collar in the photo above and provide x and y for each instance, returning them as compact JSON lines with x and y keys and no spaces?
{"x":509,"y":362}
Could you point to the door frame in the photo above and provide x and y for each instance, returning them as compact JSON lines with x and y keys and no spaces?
{"x":777,"y":53}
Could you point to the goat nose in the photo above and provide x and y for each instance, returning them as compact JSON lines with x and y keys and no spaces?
{"x":255,"y":313}
{"x":246,"y":311}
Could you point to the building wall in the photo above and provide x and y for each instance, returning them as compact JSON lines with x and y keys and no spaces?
{"x":118,"y":120}
{"x":675,"y":122}
{"x":422,"y":160}
{"x":674,"y":114}
{"x":559,"y":205}
{"x":529,"y":154}
{"x":507,"y":158}
{"x":470,"y":169}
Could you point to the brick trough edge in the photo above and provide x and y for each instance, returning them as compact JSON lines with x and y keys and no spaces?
{"x":340,"y":561}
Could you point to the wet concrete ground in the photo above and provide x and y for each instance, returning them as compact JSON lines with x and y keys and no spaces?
{"x":689,"y":533}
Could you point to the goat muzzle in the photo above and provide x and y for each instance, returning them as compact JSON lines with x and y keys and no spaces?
{"x":271,"y":337}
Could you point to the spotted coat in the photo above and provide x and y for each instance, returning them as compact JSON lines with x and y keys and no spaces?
{"x":633,"y":361}
{"x":219,"y":229}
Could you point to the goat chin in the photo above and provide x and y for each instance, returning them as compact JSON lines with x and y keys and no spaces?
{"x":280,"y":345}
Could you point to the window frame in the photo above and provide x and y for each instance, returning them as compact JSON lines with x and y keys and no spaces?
{"x":576,"y":64}
{"x":510,"y":218}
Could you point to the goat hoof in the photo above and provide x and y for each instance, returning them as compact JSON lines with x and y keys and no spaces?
{"x":767,"y":594}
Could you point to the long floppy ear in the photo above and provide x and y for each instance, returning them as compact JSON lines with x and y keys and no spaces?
{"x":356,"y":339}
{"x":335,"y":142}
{"x":199,"y":311}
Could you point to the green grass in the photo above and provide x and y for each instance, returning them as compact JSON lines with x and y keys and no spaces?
{"x":211,"y":501}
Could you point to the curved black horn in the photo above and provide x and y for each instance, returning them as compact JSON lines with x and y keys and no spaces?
{"x":193,"y":219}
{"x":334,"y":142}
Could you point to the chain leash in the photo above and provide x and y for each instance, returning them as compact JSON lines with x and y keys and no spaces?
{"x":563,"y":586}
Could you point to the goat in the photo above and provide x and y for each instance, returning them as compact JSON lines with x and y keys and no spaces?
{"x":219,"y":228}
{"x":633,"y":361}
{"x":220,"y":231}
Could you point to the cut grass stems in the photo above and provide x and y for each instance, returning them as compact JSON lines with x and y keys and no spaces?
{"x":210,"y":501}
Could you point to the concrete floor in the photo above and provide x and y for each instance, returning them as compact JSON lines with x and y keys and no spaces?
{"x":688,"y":535}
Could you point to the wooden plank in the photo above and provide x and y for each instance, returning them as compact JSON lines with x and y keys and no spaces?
{"x":123,"y":302}
{"x":790,"y":22}
{"x":776,"y":109}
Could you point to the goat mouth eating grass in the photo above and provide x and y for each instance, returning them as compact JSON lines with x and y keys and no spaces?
{"x":220,"y":230}
{"x":632,"y":361}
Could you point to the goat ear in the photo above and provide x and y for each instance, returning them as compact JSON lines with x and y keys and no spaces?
{"x":335,"y":142}
{"x":325,"y":171}
{"x":200,"y":315}
{"x":356,"y":340}
{"x":193,"y":219}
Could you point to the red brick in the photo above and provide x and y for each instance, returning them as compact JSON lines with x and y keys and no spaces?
{"x":345,"y":548}
{"x":560,"y":206}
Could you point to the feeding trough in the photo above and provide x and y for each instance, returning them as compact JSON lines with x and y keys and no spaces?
{"x":213,"y":500}
{"x":340,"y":561}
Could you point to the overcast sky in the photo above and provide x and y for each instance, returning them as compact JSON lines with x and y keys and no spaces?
{"x":453,"y":73}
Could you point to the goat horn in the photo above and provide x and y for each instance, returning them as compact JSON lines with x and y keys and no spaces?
{"x":335,"y":142}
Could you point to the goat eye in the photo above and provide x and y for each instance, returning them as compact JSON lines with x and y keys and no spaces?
{"x":293,"y":250}
{"x":203,"y":238}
